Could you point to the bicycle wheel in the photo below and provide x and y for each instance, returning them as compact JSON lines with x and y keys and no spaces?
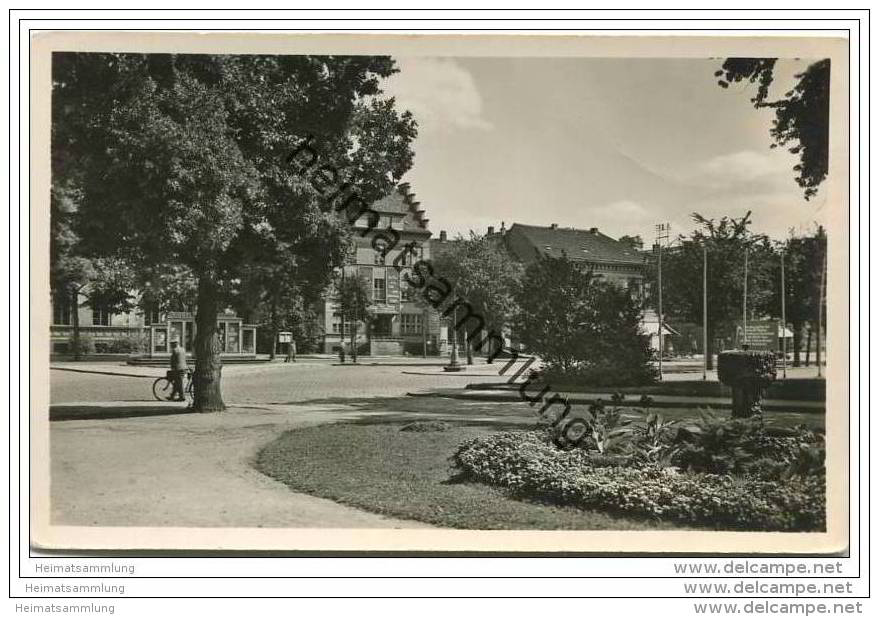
{"x":162,"y":389}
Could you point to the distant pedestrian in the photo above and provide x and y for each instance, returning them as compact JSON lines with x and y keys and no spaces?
{"x":291,"y":351}
{"x":178,"y":370}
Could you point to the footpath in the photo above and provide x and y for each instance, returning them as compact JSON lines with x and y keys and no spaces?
{"x":148,"y":464}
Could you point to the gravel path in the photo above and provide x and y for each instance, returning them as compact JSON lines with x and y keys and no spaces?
{"x":188,"y":470}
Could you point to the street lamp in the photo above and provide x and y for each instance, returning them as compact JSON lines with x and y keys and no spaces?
{"x":453,"y":364}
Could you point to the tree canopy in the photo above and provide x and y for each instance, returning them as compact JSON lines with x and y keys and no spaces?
{"x":802,"y":115}
{"x":181,"y":161}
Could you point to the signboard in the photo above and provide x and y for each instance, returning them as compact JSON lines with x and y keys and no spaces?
{"x":760,"y":335}
{"x":285,"y":337}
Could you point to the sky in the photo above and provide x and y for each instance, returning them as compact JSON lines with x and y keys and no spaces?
{"x":618,"y":144}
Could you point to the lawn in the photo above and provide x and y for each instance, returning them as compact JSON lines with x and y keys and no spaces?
{"x":379,"y":468}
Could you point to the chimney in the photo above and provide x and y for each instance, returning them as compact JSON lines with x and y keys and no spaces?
{"x":593,"y":230}
{"x":443,"y":236}
{"x":491,"y":230}
{"x":554,"y":226}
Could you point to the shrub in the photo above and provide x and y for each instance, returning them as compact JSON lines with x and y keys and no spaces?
{"x":86,"y":345}
{"x":126,"y":344}
{"x":722,"y":445}
{"x":737,"y":366}
{"x":585,"y":329}
{"x":530,"y":466}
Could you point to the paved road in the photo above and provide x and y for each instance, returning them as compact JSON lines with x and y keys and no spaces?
{"x":276,"y":383}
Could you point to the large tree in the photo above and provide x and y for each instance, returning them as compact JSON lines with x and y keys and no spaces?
{"x":726,"y":241}
{"x":186,"y":160}
{"x":581,"y":326}
{"x":802,"y":115}
{"x":803,"y":260}
{"x":485,"y":279}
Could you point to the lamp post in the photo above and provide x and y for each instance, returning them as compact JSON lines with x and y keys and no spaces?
{"x":704,"y":312}
{"x":453,"y":364}
{"x":661,"y":234}
{"x":783,"y":322}
{"x":745,"y":305}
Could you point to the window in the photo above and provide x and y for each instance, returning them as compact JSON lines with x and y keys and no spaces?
{"x":410,"y":323}
{"x":100,"y":315}
{"x":381,"y":253}
{"x":61,"y":309}
{"x":151,"y":316}
{"x":379,"y":293}
{"x":337,"y":325}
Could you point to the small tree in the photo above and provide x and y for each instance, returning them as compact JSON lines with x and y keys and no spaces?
{"x":103,"y":282}
{"x":582,"y":326}
{"x":482,"y":274}
{"x":354,"y":302}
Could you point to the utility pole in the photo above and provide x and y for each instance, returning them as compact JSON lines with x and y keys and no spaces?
{"x":745,"y":304}
{"x":661,"y":234}
{"x":704,"y":312}
{"x":783,"y":322}
{"x":821,"y":310}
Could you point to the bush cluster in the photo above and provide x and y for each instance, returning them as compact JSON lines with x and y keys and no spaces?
{"x":122,"y":344}
{"x":86,"y":345}
{"x":530,"y":465}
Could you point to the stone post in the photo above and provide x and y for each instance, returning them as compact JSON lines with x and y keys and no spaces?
{"x":748,"y":373}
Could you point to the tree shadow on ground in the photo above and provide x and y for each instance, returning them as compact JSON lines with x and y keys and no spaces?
{"x":409,"y":408}
{"x":59,"y":413}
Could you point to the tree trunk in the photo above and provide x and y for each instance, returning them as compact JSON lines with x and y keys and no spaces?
{"x":273,"y":351}
{"x":354,"y":342}
{"x":342,"y":333}
{"x":798,"y":340}
{"x":77,"y":348}
{"x":469,"y":345}
{"x":808,"y":344}
{"x":208,"y":365}
{"x":709,"y":349}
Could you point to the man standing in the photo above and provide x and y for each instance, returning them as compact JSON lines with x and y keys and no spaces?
{"x":178,"y":369}
{"x":291,"y":351}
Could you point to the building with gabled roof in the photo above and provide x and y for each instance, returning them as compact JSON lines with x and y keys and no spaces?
{"x":612,"y":260}
{"x":399,"y":324}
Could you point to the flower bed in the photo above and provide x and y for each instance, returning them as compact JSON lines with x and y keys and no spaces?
{"x":528,"y":463}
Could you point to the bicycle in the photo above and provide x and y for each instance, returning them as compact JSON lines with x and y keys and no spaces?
{"x":163,"y":386}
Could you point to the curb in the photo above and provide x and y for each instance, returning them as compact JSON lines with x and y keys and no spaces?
{"x":82,"y":370}
{"x":689,"y":404}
